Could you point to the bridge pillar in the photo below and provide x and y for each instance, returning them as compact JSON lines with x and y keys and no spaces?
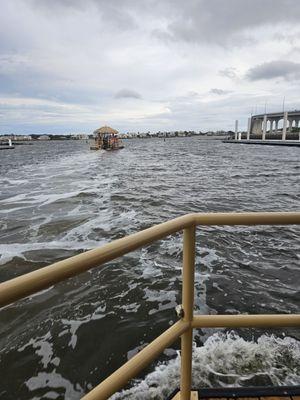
{"x":276,"y":125}
{"x":264,"y":127}
{"x":249,"y":129}
{"x":296,"y":124}
{"x":256,"y":128}
{"x":236,"y":129}
{"x":259,"y":126}
{"x":273,"y":126}
{"x":285,"y":117}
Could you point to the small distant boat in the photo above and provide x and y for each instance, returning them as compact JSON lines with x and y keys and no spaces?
{"x":7,"y":145}
{"x":106,"y":138}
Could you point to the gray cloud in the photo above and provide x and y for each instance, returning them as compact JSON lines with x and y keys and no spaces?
{"x":61,"y":4}
{"x":199,"y":21}
{"x":229,"y":72}
{"x":274,"y":69}
{"x":219,"y":92}
{"x":228,"y":22}
{"x":127,"y":93}
{"x":115,"y":13}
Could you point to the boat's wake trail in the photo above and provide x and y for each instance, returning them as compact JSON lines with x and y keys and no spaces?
{"x":226,"y":359}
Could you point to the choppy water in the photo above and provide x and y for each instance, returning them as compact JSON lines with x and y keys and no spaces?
{"x":58,"y":199}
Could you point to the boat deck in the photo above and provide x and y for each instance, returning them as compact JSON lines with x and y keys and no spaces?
{"x":244,"y":393}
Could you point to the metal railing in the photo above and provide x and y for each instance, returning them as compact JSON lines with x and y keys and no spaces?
{"x":35,"y":281}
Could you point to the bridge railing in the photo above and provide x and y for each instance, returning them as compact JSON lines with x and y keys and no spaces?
{"x":35,"y":281}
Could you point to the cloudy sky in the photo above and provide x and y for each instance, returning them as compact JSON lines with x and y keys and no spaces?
{"x":145,"y":65}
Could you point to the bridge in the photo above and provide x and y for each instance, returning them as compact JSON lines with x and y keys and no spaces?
{"x":281,"y":128}
{"x":277,"y":122}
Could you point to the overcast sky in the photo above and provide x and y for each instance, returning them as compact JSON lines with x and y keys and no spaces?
{"x":145,"y":65}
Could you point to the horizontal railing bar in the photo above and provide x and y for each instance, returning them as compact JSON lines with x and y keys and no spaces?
{"x":43,"y":278}
{"x":24,"y":285}
{"x":136,"y":364}
{"x":248,"y":218}
{"x":246,"y":321}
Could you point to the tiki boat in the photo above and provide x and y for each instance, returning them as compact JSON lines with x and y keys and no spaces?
{"x":106,"y":138}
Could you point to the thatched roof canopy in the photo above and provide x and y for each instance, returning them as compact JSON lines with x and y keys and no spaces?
{"x":105,"y":129}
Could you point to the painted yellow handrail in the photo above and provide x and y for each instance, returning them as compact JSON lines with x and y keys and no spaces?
{"x":136,"y":364}
{"x":246,"y":321}
{"x":42,"y":278}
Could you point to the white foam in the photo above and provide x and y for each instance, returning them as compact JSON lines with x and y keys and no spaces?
{"x":44,"y":349}
{"x":42,"y":199}
{"x":149,"y":267}
{"x":172,"y":246}
{"x":14,"y":181}
{"x":74,"y":325}
{"x":11,"y":250}
{"x":225,"y":360}
{"x":50,"y":380}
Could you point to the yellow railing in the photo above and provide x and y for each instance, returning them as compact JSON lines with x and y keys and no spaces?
{"x":35,"y":281}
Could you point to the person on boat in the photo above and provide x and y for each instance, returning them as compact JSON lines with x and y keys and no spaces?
{"x":106,"y":138}
{"x":114,"y":141}
{"x":105,"y":142}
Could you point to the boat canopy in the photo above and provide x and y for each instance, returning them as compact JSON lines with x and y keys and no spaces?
{"x":105,"y":130}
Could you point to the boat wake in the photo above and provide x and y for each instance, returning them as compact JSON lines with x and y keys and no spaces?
{"x":59,"y":199}
{"x":226,"y":359}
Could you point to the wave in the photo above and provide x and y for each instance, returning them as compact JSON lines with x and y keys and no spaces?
{"x":9,"y":251}
{"x":226,"y":359}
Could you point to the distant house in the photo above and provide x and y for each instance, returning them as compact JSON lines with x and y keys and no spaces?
{"x":82,"y":136}
{"x":16,"y":137}
{"x":43,"y":137}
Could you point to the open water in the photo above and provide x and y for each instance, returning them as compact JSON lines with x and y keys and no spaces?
{"x":58,"y":199}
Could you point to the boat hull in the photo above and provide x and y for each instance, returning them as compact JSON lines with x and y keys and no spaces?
{"x":108,"y":149}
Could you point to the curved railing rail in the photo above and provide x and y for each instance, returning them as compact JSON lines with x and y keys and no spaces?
{"x":40,"y":279}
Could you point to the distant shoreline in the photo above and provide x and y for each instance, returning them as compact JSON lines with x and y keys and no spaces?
{"x":201,"y":137}
{"x":20,"y":141}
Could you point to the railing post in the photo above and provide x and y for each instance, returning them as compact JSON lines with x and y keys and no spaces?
{"x":188,"y":305}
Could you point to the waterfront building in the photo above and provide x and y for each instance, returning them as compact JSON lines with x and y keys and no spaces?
{"x":44,"y":137}
{"x":16,"y":138}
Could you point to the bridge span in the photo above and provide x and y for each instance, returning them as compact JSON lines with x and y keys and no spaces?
{"x":277,"y":128}
{"x":277,"y":125}
{"x":263,"y":123}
